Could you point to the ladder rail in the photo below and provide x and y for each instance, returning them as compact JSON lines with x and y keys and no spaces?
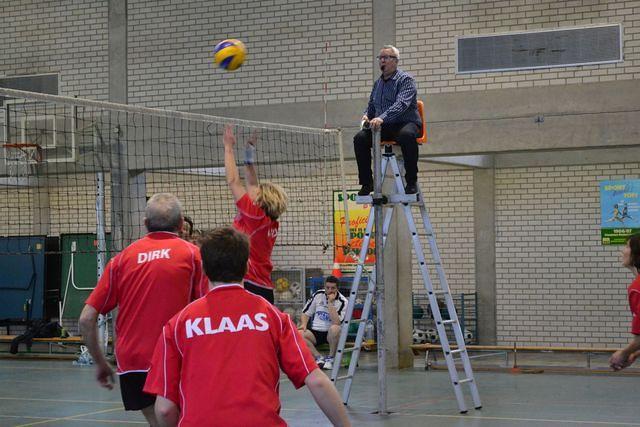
{"x":444,"y":284}
{"x":346,"y":392}
{"x":453,"y":320}
{"x":344,"y":329}
{"x":358,"y":347}
{"x":440,"y":326}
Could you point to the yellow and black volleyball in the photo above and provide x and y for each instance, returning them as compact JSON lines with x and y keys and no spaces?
{"x":230,"y":54}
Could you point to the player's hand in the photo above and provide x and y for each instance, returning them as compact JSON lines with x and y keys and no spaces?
{"x":619,"y":360}
{"x":229,"y":138}
{"x":633,"y":356}
{"x":104,"y":375}
{"x":331,"y":297}
{"x":364,"y":122}
{"x":253,"y":138}
{"x":376,"y":123}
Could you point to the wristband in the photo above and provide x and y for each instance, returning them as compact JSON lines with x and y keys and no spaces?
{"x":249,"y":154}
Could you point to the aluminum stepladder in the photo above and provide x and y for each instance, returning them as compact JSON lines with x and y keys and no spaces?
{"x":404,"y":201}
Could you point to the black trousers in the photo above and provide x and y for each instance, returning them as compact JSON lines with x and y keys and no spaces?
{"x":259,"y":290}
{"x":404,"y":134}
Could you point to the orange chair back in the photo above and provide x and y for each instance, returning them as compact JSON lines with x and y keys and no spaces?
{"x":422,"y":138}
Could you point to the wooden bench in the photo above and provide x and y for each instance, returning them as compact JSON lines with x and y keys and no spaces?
{"x":69,"y":340}
{"x":76,"y":341}
{"x":417,"y":349}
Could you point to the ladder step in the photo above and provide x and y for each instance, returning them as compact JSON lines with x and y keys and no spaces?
{"x":449,"y":321}
{"x":344,"y":377}
{"x":391,"y":199}
{"x":458,"y":351}
{"x":439,"y":292}
{"x":349,"y":349}
{"x":466,"y":380}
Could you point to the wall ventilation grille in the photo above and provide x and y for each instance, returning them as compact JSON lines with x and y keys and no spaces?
{"x":539,"y":49}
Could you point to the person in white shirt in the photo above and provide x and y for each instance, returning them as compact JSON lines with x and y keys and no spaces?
{"x":328,"y":307}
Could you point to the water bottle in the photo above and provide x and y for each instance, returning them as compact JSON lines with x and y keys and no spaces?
{"x":369,"y":334}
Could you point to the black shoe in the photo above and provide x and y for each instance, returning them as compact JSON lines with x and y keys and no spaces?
{"x":365,"y":190}
{"x":411,"y":188}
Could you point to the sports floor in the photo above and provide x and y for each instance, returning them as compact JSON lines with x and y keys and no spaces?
{"x":56,"y":393}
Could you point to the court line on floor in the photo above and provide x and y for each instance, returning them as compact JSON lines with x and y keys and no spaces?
{"x":369,"y":411}
{"x":28,"y":417}
{"x":71,"y":417}
{"x":58,"y":400}
{"x":540,"y":420}
{"x":427,"y":401}
{"x":95,"y":420}
{"x":34,"y":368}
{"x":573,"y":403}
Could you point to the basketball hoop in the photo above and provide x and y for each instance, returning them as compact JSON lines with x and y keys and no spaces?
{"x":21,"y":158}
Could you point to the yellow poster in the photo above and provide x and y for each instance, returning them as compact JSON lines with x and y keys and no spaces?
{"x":347,"y":252}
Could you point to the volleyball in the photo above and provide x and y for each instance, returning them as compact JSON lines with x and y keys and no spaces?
{"x":230,"y":54}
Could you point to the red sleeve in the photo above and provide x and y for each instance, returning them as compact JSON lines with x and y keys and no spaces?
{"x":104,"y":297}
{"x":163,"y":378}
{"x":295,"y":358}
{"x":200,"y":280}
{"x":249,"y":210}
{"x":634,"y":305}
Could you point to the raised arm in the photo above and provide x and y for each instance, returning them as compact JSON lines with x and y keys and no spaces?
{"x":233,"y":177}
{"x":250,"y":175}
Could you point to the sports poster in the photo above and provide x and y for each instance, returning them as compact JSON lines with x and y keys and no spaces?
{"x":346,"y":253}
{"x":619,"y":210}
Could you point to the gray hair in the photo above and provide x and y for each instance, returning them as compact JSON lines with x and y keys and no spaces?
{"x":395,"y":50}
{"x":163,"y":213}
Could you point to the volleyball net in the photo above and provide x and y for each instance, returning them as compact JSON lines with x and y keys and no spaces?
{"x":76,"y":175}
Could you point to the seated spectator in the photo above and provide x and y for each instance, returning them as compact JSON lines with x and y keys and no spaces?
{"x":328,"y":307}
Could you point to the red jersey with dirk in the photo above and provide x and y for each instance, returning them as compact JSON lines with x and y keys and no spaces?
{"x":149,"y":281}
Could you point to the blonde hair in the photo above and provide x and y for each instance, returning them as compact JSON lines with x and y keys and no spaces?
{"x":272,"y":199}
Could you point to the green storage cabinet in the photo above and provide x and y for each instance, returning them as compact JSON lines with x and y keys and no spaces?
{"x":79,"y":270}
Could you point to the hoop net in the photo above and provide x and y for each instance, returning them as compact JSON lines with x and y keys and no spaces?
{"x":21,"y":159}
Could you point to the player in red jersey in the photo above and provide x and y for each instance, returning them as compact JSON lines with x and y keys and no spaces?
{"x":259,"y":207}
{"x":631,"y":259}
{"x":218,"y":361}
{"x":149,"y":281}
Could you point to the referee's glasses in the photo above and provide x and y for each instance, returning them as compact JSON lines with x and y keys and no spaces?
{"x":385,"y":57}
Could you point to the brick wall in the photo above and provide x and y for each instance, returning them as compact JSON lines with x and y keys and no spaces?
{"x":427,"y":31}
{"x":449,"y":199}
{"x":556,"y":284}
{"x":66,"y":37}
{"x":16,"y":210}
{"x":171,"y":44}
